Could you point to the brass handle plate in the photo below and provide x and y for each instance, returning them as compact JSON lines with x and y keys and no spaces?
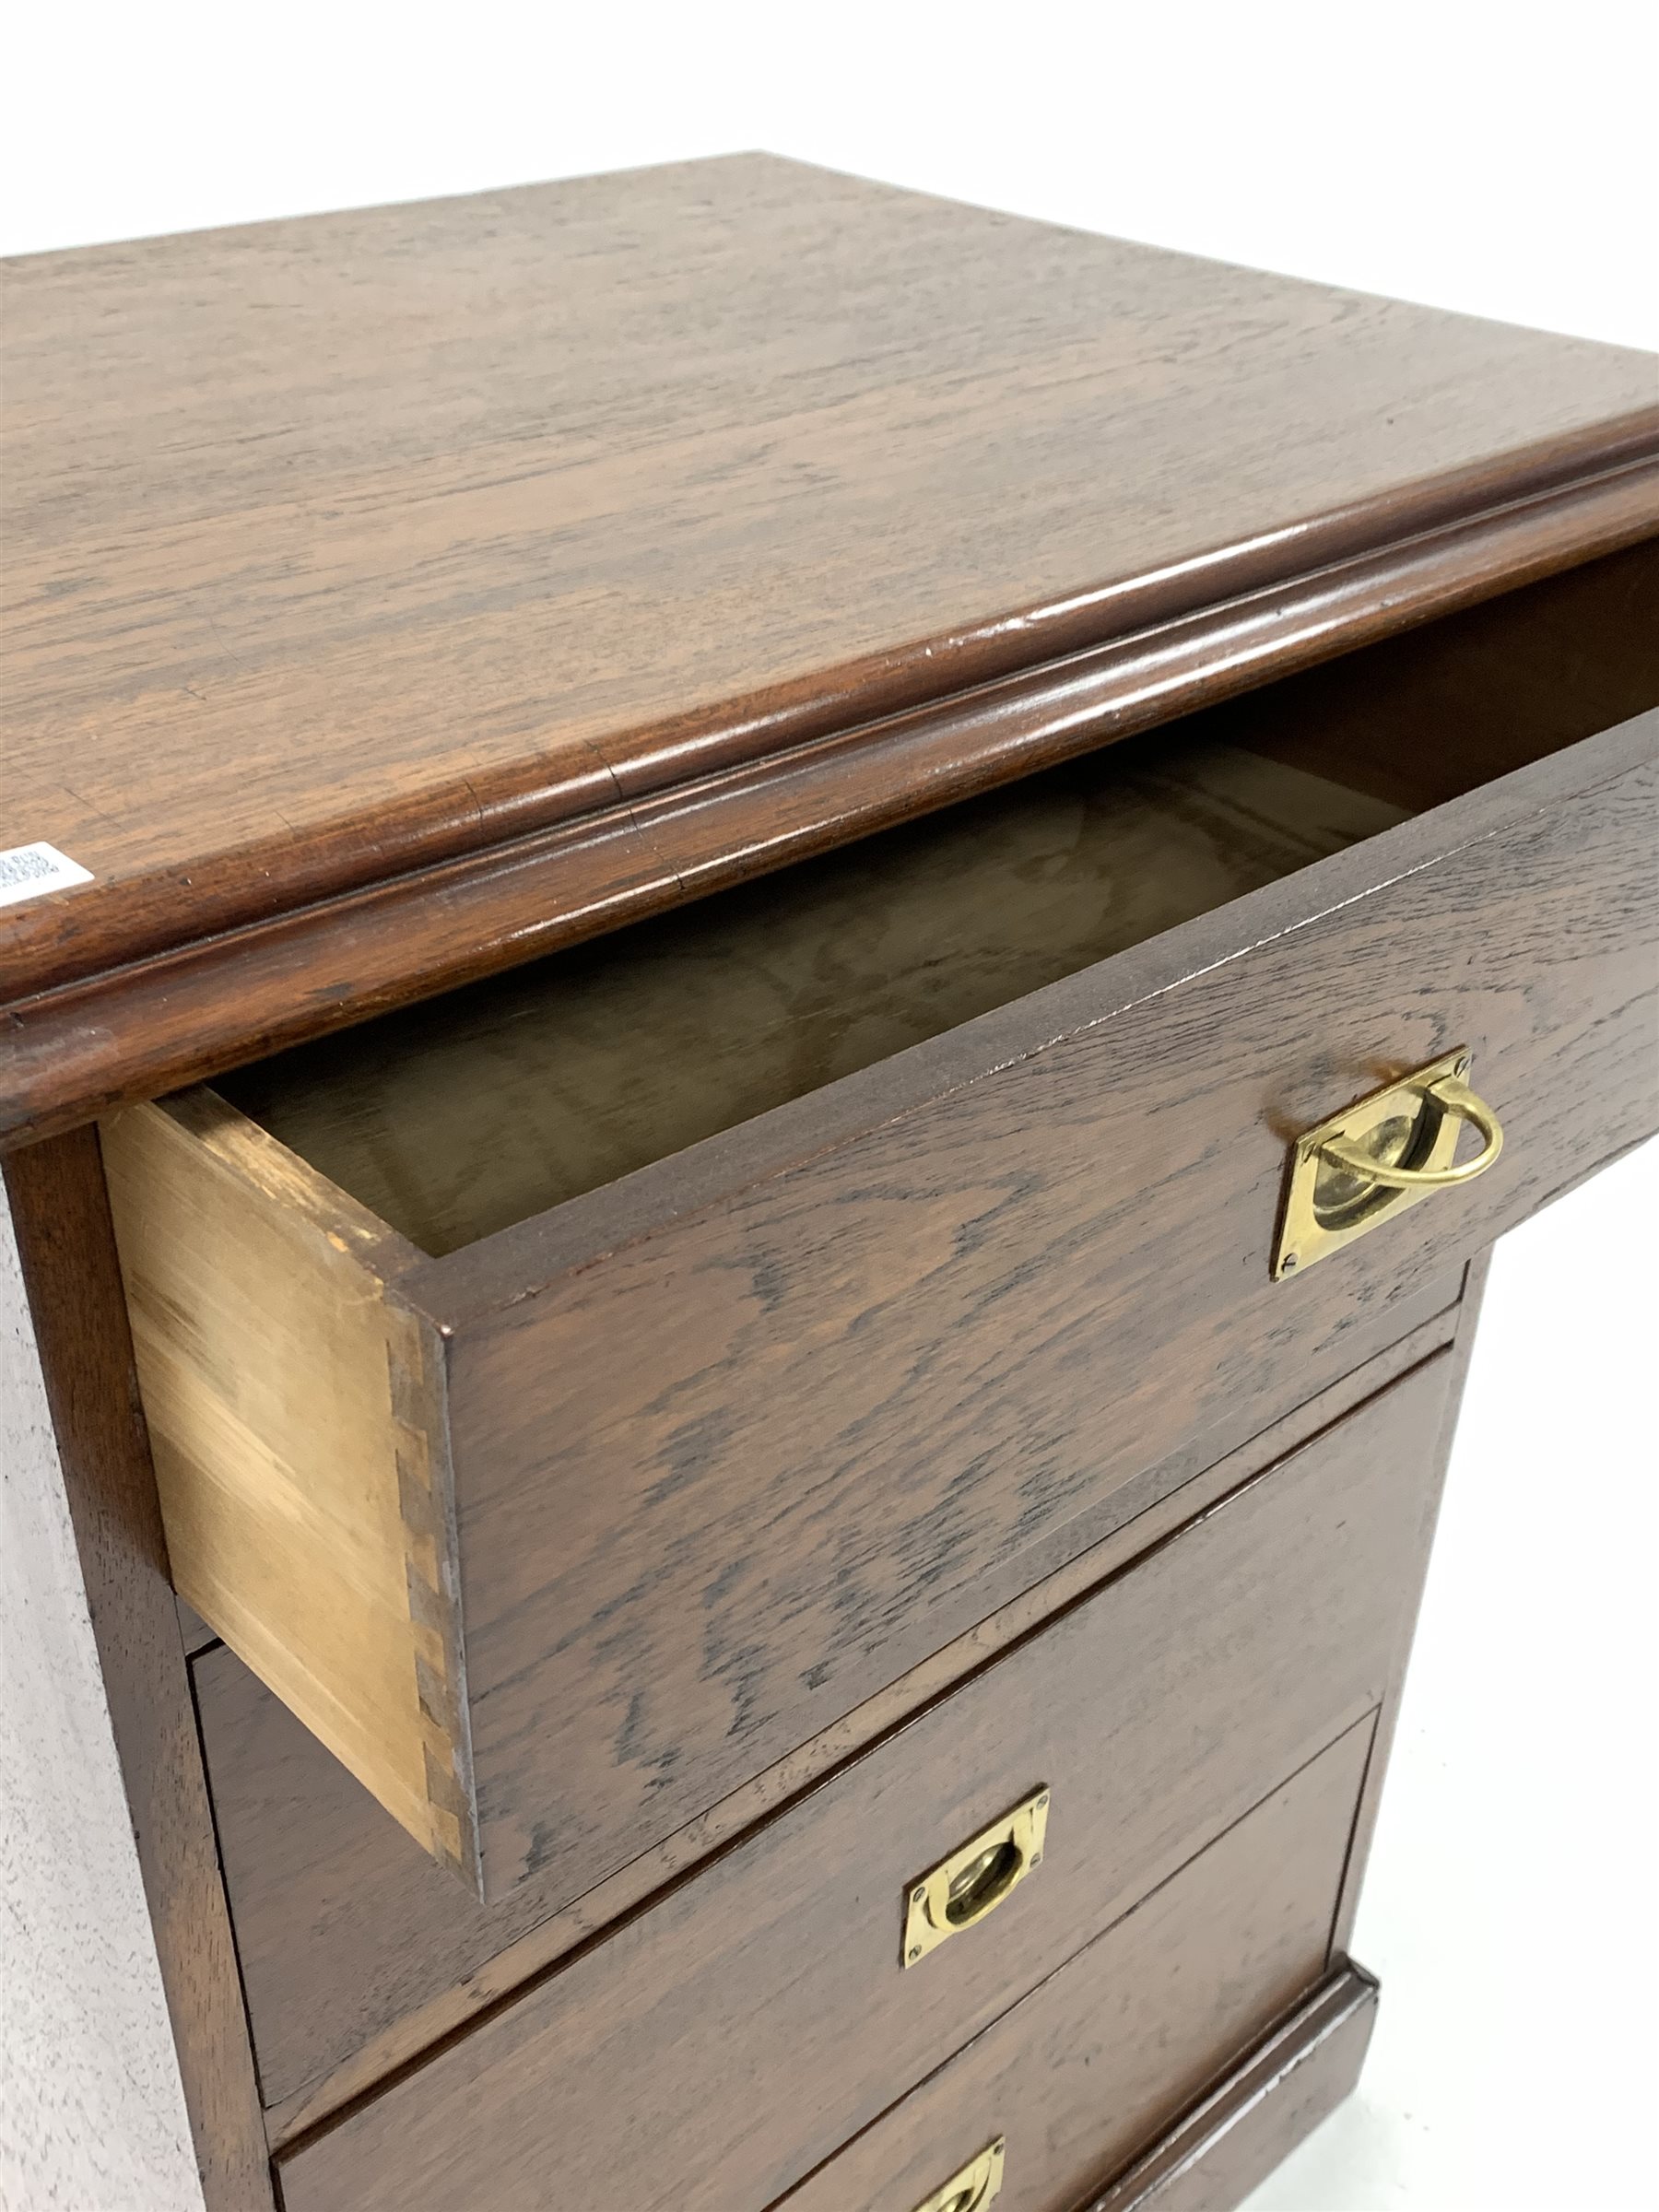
{"x":963,"y":1890}
{"x":1370,"y":1162}
{"x":977,"y":2184}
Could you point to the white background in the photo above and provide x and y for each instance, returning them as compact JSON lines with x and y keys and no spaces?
{"x":1497,"y":158}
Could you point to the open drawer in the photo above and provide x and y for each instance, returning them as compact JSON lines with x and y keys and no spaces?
{"x":573,"y":1394}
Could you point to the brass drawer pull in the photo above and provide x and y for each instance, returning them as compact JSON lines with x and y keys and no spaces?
{"x":978,"y":2184}
{"x":1380,"y":1156}
{"x":962,"y":1889}
{"x":1457,"y":1099}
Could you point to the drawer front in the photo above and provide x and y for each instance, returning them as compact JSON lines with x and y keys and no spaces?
{"x":357,"y":1952}
{"x":717,"y":1487}
{"x":1078,"y":2077}
{"x":1153,"y":1714}
{"x":672,"y":1479}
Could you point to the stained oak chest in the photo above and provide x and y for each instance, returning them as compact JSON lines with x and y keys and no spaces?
{"x":775,"y":958}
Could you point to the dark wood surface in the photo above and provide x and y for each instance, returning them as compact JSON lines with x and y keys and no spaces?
{"x":329,"y":557}
{"x":1426,"y":718}
{"x":976,"y":1287}
{"x":1156,"y":1711}
{"x":198,"y":1635}
{"x":161,"y":1021}
{"x":359,"y":1953}
{"x":1277,"y":2095}
{"x":1108,"y":2051}
{"x":56,"y":1195}
{"x":328,"y":562}
{"x":459,"y":1117}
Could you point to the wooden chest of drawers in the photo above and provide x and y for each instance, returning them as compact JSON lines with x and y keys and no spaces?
{"x":797,"y":1126}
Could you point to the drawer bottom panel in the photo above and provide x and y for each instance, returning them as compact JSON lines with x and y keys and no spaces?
{"x":1078,"y":2077}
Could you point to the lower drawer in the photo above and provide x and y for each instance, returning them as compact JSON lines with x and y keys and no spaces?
{"x":715,"y":2048}
{"x":359,"y":1954}
{"x":1074,"y":2081}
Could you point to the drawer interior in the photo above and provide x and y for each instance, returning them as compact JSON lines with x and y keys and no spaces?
{"x":456,"y":1118}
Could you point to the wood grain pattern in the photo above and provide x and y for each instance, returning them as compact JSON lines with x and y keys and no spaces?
{"x":956,"y":1288}
{"x":970,"y":1313}
{"x":462,"y":1116}
{"x":1157,"y":1711}
{"x":1107,"y":2053}
{"x":294,"y":1445}
{"x":357,"y":576}
{"x":67,"y":1256}
{"x":1279,"y":2093}
{"x":359,"y":1953}
{"x":391,"y":597}
{"x":161,"y":1021}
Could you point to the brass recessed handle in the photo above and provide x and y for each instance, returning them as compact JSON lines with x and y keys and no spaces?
{"x":978,"y":1876}
{"x":1382,"y":1154}
{"x":978,"y":2184}
{"x":1462,"y":1104}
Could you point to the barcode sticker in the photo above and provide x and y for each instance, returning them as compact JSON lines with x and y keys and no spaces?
{"x":31,"y":871}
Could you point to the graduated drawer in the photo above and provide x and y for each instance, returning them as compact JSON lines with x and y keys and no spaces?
{"x":1060,"y":2092}
{"x":708,"y":2054}
{"x":563,"y":1536}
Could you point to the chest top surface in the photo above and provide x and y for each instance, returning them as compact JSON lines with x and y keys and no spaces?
{"x":348,"y":546}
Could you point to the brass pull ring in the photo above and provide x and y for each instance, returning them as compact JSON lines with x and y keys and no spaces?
{"x":975,"y":2187}
{"x":972,"y":2199}
{"x":969,"y":1886}
{"x":1384,"y":1154}
{"x":1455,"y":1098}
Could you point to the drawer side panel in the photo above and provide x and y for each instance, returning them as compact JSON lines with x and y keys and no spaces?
{"x":288,"y":1406}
